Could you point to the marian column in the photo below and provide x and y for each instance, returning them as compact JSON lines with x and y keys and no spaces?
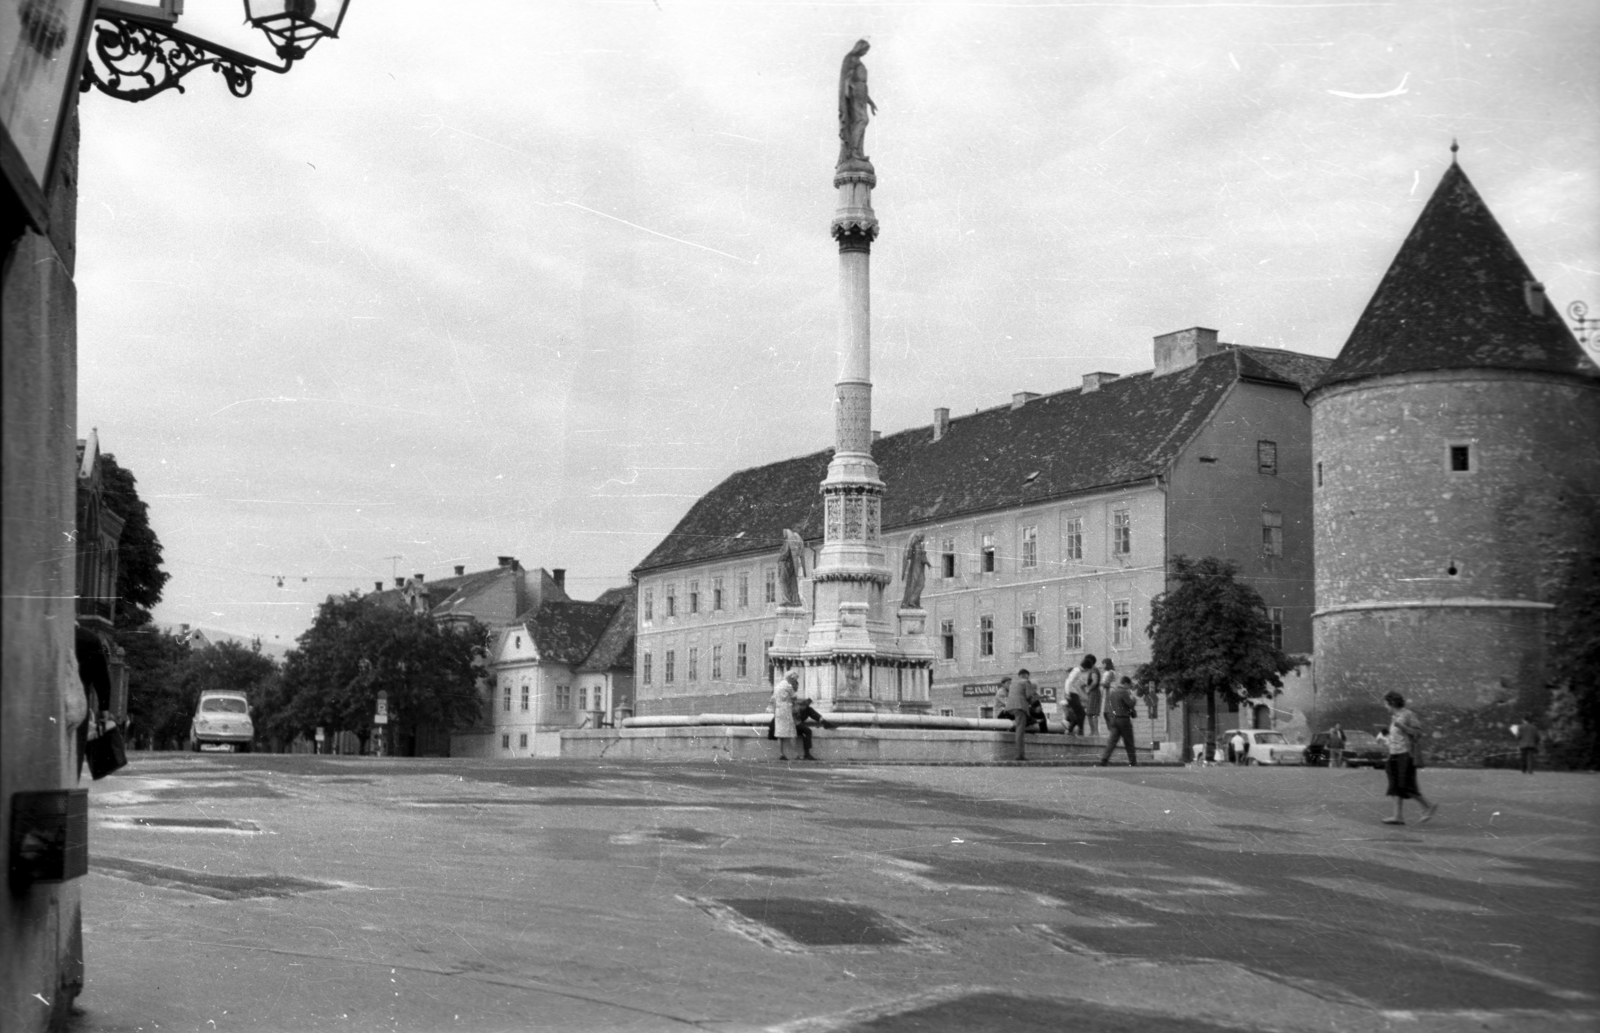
{"x":853,"y":656}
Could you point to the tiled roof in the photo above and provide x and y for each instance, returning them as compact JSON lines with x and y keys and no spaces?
{"x":567,"y":633}
{"x":614,"y":651}
{"x":1129,"y":430}
{"x":1454,"y":299}
{"x":444,"y":594}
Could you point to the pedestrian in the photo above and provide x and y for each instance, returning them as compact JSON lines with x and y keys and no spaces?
{"x":1236,"y":748}
{"x":1336,"y":743}
{"x":783,"y":697}
{"x":1120,"y":708}
{"x":1035,"y":705}
{"x":1405,"y":755}
{"x":1074,"y":714}
{"x":1093,"y":697}
{"x":1020,"y":697}
{"x":1078,"y":684}
{"x":1528,"y":738}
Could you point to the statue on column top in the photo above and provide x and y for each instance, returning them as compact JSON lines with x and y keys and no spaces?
{"x":915,"y":573}
{"x":791,"y":566}
{"x":854,"y":104}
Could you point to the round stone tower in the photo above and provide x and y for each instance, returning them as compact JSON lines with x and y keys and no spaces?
{"x":1456,"y":442}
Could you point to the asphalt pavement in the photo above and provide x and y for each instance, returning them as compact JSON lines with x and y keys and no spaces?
{"x":294,"y":893}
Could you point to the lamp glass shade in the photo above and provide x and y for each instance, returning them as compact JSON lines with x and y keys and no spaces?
{"x":305,"y":21}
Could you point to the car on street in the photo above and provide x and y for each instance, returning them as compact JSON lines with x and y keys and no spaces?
{"x":222,"y":723}
{"x":1361,"y":749}
{"x":1264,"y":747}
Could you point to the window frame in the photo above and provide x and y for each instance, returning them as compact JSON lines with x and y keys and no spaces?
{"x":1122,"y":624}
{"x":1030,"y":632}
{"x":1072,"y":627}
{"x":669,"y":667}
{"x":716,"y":662}
{"x":694,"y":663}
{"x":741,"y":660}
{"x":1271,"y":532}
{"x":744,"y":589}
{"x":1275,"y":623}
{"x":647,"y":665}
{"x":1072,"y":539}
{"x":1466,"y":449}
{"x":716,"y":594}
{"x":1030,"y":546}
{"x":1122,"y":531}
{"x":1266,"y":458}
{"x":694,"y":595}
{"x":947,"y":639}
{"x":649,"y":604}
{"x":986,"y":636}
{"x":947,"y":559}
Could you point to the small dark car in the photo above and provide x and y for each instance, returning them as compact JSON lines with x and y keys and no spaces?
{"x":1360,"y":749}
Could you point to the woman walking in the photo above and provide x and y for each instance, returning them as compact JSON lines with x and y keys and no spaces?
{"x":1405,"y":750}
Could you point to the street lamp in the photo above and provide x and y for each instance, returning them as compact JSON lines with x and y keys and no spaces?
{"x":138,"y":51}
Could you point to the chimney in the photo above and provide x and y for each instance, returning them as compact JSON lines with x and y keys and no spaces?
{"x":559,"y":576}
{"x":418,"y":578}
{"x":377,"y":586}
{"x":1092,"y":381}
{"x":506,"y":561}
{"x":183,"y":629}
{"x":1533,"y":296}
{"x":1021,"y":398}
{"x":460,"y":570}
{"x":399,"y":582}
{"x":1183,"y":348}
{"x":941,"y":423}
{"x":877,"y":435}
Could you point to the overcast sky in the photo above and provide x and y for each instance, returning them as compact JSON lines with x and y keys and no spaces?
{"x":505,"y":278}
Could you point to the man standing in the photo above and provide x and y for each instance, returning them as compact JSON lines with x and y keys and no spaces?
{"x":1094,"y":697}
{"x":1020,"y":697}
{"x":1078,"y":683}
{"x":1528,"y":742}
{"x":1120,"y":708}
{"x":1035,"y":708}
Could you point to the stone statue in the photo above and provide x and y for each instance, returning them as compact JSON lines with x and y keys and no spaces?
{"x":792,"y":566}
{"x":914,"y":573}
{"x":854,"y":103}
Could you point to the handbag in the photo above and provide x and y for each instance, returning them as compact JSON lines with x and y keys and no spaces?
{"x":106,"y":751}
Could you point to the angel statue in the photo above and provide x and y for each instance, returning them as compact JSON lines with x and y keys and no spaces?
{"x":914,"y":573}
{"x":854,"y":103}
{"x":792,"y":566}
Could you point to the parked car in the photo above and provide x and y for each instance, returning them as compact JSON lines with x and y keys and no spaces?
{"x":222,"y":723}
{"x":1361,"y":749}
{"x":1265,"y":747}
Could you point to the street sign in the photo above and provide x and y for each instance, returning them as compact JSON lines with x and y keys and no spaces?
{"x":320,"y":736}
{"x":382,"y":717}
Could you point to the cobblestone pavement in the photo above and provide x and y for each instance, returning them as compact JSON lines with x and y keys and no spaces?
{"x":303,"y":893}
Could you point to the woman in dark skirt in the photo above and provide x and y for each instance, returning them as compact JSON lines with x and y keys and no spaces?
{"x":1405,"y":739}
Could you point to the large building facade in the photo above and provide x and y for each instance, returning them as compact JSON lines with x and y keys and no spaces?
{"x":1457,"y":461}
{"x":1048,"y":524}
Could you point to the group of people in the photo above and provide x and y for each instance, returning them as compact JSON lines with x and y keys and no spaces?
{"x":1091,"y":692}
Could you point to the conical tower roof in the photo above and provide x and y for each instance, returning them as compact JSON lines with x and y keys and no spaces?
{"x":1457,"y":296}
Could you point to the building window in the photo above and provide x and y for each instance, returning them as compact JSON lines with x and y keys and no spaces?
{"x":988,"y":560}
{"x":1073,"y":639}
{"x":526,"y":690}
{"x":986,"y":635}
{"x":947,"y":635}
{"x":672,"y":600}
{"x":667,"y":673}
{"x":505,"y":740}
{"x":716,"y":593}
{"x":1121,"y":624}
{"x":744,"y":589}
{"x":649,"y":604}
{"x":647,"y":666}
{"x":694,"y":597}
{"x":716,"y":663}
{"x":1271,"y":532}
{"x":1121,"y":532}
{"x":1267,"y":458}
{"x":522,"y":740}
{"x":1460,"y":458}
{"x":1074,"y":538}
{"x":1030,"y":546}
{"x":1275,"y":622}
{"x":1030,"y":631}
{"x":947,"y":712}
{"x":766,"y":652}
{"x":947,"y":558}
{"x":563,"y":697}
{"x":583,"y":697}
{"x":741,"y":661}
{"x":1319,"y":475}
{"x":694,"y":663}
{"x":505,"y":695}
{"x":772,"y":586}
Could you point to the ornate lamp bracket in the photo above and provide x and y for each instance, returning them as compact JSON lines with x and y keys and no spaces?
{"x":1584,"y":327}
{"x":134,"y":60}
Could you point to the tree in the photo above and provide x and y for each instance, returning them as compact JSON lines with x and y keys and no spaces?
{"x":140,"y":579}
{"x":1574,"y":665}
{"x":354,"y":649}
{"x":156,"y":718}
{"x":1210,"y":637}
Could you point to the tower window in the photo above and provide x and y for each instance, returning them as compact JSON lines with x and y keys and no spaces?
{"x":1267,"y":458}
{"x":1319,"y":475}
{"x":1461,"y":458}
{"x":1271,"y":532}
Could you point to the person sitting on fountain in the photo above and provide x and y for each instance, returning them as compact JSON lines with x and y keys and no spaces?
{"x":804,"y":713}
